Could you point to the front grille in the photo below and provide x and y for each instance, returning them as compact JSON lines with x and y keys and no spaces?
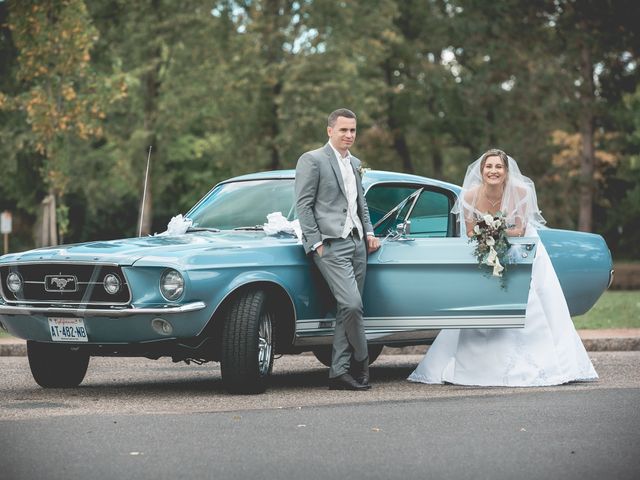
{"x":68,"y":283}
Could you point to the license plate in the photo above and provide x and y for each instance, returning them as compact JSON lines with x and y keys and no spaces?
{"x":67,"y":329}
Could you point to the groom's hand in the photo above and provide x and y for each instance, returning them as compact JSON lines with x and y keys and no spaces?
{"x":373,"y":243}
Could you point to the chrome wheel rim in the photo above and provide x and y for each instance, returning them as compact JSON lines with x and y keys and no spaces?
{"x":265,"y":344}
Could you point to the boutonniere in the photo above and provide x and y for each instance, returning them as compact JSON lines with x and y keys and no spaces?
{"x":362,"y":169}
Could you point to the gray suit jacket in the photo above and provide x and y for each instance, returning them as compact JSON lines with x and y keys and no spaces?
{"x":321,"y":198}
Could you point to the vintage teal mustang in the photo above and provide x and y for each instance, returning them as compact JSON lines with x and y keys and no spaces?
{"x":226,"y":291}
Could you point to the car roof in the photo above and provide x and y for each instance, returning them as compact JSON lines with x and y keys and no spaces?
{"x":369,"y":178}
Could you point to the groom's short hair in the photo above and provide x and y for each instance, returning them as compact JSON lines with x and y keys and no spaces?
{"x":341,"y":112}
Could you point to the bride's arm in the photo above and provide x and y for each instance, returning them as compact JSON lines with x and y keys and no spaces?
{"x":467,"y":208}
{"x":517,"y":225}
{"x":516,"y":229}
{"x":469,"y":223}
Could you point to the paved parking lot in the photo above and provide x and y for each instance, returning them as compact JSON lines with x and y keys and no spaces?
{"x":138,"y":386}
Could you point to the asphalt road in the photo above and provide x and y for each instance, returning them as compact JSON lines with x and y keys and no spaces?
{"x":135,"y":418}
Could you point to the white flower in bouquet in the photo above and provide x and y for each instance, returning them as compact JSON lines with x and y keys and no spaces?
{"x":492,"y":243}
{"x":493,"y":261}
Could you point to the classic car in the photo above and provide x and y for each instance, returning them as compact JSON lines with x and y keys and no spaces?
{"x":226,"y":291}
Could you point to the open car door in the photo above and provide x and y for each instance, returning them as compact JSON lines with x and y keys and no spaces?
{"x":425,"y":276}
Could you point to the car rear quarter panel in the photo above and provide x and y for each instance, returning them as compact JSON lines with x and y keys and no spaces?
{"x":583,"y":264}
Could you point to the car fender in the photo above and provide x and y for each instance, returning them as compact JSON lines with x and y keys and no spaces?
{"x":255,"y":277}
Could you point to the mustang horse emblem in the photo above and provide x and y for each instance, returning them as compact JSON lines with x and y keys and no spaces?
{"x":60,"y":282}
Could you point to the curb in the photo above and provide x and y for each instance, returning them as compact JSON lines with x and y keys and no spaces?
{"x":611,"y":344}
{"x":13,"y":349}
{"x":18,"y":348}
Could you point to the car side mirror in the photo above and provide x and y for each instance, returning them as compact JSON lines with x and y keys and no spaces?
{"x":404,"y":228}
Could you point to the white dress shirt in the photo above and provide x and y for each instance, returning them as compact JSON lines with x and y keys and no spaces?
{"x":349,"y":180}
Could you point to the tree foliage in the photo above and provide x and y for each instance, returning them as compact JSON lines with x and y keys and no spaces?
{"x":61,"y":99}
{"x":224,"y":87}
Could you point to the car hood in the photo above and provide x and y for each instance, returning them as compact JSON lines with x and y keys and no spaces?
{"x":156,"y":249}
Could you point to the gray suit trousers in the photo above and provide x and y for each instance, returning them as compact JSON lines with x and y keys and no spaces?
{"x":343,"y":264}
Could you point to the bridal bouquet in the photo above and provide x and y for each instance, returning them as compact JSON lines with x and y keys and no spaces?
{"x":492,"y":243}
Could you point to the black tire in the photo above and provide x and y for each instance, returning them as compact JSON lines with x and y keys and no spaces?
{"x":248,"y":344}
{"x":323,"y":354}
{"x":56,"y":366}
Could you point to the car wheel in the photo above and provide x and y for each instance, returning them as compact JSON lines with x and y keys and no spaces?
{"x":248,"y":344}
{"x":323,"y":354}
{"x":56,"y":366}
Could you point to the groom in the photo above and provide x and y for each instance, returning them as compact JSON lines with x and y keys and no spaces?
{"x":337,"y":232}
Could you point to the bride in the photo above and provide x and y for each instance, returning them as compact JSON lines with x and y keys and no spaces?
{"x":548,"y":350}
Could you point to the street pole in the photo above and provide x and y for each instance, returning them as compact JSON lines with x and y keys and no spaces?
{"x":5,"y":228}
{"x":144,"y":193}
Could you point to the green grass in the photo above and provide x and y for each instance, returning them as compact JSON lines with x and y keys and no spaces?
{"x":615,"y":309}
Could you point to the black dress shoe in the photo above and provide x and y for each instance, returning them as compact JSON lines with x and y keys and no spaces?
{"x":360,"y":371}
{"x":346,"y":382}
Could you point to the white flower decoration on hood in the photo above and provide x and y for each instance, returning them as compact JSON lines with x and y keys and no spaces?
{"x":178,"y":225}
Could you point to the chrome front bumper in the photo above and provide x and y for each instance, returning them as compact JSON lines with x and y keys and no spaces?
{"x":100,"y":312}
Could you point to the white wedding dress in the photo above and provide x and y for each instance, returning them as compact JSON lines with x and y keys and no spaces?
{"x":547,"y":351}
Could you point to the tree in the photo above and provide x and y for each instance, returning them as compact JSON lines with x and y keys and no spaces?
{"x":226,"y":87}
{"x":620,"y":217}
{"x":64,"y":99}
{"x":590,"y":40}
{"x":539,"y":67}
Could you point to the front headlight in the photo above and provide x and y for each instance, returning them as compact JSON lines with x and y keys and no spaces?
{"x":111,"y":283}
{"x":171,"y":285}
{"x":14,"y":282}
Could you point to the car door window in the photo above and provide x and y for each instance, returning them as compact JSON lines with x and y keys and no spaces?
{"x":381,"y":199}
{"x":430,"y":216}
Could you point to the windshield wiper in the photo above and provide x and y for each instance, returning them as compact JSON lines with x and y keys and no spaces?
{"x":252,"y":227}
{"x":202,"y":229}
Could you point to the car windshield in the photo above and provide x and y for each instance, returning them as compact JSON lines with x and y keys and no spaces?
{"x":244,"y":205}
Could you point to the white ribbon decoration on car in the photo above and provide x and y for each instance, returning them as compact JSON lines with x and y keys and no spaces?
{"x":276,"y":223}
{"x":178,"y":225}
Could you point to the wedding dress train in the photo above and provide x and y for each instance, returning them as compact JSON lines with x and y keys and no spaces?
{"x":547,"y":351}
